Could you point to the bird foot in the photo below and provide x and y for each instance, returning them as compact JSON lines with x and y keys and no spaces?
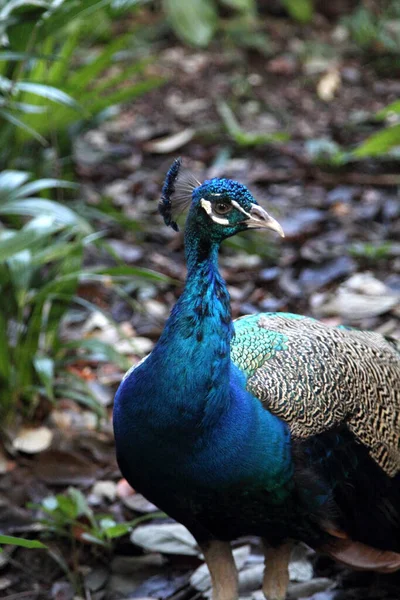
{"x":224,"y":577}
{"x":276,"y":574}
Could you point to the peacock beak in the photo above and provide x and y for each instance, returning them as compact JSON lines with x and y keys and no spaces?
{"x":260,"y":219}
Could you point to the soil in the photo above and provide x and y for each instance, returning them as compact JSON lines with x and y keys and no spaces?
{"x":339,"y":260}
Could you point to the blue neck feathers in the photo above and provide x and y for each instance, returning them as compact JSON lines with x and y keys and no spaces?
{"x":194,"y":347}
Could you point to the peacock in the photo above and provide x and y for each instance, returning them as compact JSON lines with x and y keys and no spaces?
{"x":275,"y":425}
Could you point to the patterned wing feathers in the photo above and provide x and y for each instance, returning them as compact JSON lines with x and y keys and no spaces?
{"x":315,"y":376}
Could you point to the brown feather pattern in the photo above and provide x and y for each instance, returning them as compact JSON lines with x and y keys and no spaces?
{"x":321,"y":376}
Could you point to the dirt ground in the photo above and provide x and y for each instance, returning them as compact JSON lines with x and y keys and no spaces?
{"x":339,"y":261}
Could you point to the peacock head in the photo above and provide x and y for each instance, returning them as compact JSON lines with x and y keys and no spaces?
{"x":218,"y":208}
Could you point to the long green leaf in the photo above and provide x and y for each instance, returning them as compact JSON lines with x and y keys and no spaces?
{"x":245,"y":138}
{"x":105,"y":84}
{"x":23,"y":126}
{"x":5,"y":355}
{"x":86,"y":75}
{"x":379,"y":143}
{"x":246,"y":6}
{"x":16,"y":541}
{"x":11,"y":180}
{"x":194,"y":21}
{"x":136,"y":90}
{"x":26,"y":108}
{"x":17,"y":56}
{"x":49,"y":92}
{"x":37,"y":206}
{"x":68,"y":12}
{"x":45,"y":184}
{"x":126,"y":271}
{"x":394,"y":107}
{"x":300,"y":10}
{"x":58,"y":73}
{"x":102,"y":350}
{"x":25,"y":238}
{"x":44,"y":367}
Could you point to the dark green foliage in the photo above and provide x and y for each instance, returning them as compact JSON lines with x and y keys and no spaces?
{"x":69,"y":515}
{"x":55,"y":75}
{"x":196,"y":22}
{"x":374,"y":28}
{"x":42,"y":245}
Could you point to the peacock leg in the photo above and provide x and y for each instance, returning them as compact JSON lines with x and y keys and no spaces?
{"x":276,"y":573}
{"x":224,"y":577}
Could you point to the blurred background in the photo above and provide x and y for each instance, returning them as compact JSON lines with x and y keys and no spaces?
{"x":299,"y":100}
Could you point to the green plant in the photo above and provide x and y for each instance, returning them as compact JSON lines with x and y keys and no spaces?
{"x":22,"y":542}
{"x":69,"y":515}
{"x":245,"y":138}
{"x":196,"y":22}
{"x":54,"y":74}
{"x":300,"y":10}
{"x":387,"y":139}
{"x":375,"y":31}
{"x":42,"y":245}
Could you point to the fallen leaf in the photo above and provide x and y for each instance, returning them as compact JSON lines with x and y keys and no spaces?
{"x":138,"y":503}
{"x":170,"y":143}
{"x":328,"y":85}
{"x":5,"y":582}
{"x":64,"y":468}
{"x":168,"y":538}
{"x":361,"y":296}
{"x":105,"y":489}
{"x":353,"y":307}
{"x":33,"y":440}
{"x":309,"y":588}
{"x":300,"y":569}
{"x":366,"y":283}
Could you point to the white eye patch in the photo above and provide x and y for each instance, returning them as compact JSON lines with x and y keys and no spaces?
{"x":239,"y":208}
{"x":206,"y":204}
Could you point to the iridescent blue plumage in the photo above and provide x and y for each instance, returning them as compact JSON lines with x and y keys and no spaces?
{"x":194,"y":438}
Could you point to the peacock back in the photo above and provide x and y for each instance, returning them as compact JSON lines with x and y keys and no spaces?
{"x":317,"y":377}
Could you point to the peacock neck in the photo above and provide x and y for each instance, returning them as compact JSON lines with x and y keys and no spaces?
{"x":195,"y":343}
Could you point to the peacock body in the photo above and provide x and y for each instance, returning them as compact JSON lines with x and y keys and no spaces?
{"x":275,"y":425}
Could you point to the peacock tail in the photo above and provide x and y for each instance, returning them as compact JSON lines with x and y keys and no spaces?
{"x":317,"y":377}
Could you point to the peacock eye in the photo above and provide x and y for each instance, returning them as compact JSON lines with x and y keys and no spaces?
{"x":221,"y":208}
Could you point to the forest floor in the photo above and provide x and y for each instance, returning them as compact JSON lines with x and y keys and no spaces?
{"x":339,"y":261}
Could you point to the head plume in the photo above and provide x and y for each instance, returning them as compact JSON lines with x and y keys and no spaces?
{"x":176,"y":193}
